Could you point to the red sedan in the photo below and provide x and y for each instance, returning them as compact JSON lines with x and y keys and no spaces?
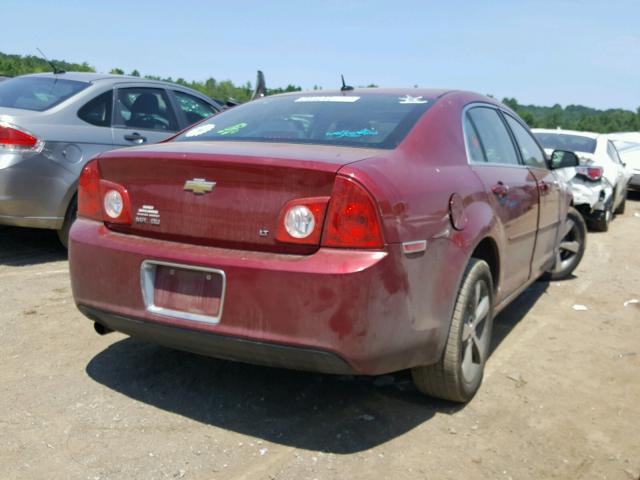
{"x":358,"y":232}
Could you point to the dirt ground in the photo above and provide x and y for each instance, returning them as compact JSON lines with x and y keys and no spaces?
{"x":561,"y":396}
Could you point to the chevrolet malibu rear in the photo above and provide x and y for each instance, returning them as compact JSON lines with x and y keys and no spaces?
{"x":327,"y":232}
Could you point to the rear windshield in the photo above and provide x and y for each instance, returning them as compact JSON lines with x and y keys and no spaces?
{"x":562,"y":141}
{"x":37,"y":93}
{"x":365,"y":120}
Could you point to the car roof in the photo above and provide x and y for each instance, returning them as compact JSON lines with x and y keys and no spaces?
{"x":431,"y":93}
{"x":560,"y":131}
{"x":90,"y":77}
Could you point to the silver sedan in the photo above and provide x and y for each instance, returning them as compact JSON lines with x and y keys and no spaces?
{"x":52,"y":124}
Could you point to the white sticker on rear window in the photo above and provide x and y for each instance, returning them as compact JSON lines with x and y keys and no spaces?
{"x":199,"y":130}
{"x":338,"y":99}
{"x":409,"y":100}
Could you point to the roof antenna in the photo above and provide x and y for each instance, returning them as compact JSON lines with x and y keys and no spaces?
{"x":56,"y":70}
{"x":345,"y":87}
{"x":261,"y":87}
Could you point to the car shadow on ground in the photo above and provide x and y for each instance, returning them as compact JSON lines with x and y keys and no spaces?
{"x":337,"y":414}
{"x":334,"y":414}
{"x":508,"y":318}
{"x":29,"y":246}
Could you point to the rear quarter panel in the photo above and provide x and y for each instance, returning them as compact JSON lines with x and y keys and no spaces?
{"x":413,"y":185}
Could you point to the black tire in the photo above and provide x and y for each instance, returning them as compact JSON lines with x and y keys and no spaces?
{"x":623,"y":204}
{"x":452,"y":378}
{"x":573,"y":241}
{"x":602,"y":221}
{"x":69,"y":218}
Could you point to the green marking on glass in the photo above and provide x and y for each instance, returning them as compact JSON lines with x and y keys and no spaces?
{"x":232,"y":129}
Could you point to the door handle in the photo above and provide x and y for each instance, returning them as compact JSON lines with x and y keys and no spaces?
{"x":500,"y":189}
{"x":135,"y":137}
{"x":543,"y":187}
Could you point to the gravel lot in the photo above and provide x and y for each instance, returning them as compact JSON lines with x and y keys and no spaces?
{"x":561,"y":396}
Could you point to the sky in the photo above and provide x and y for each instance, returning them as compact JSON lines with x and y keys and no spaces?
{"x":540,"y":52}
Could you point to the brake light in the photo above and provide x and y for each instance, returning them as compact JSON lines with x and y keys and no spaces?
{"x":89,"y":204}
{"x":592,"y":173}
{"x":300,"y":221}
{"x":352,"y":218}
{"x":14,"y":138}
{"x":102,"y":200}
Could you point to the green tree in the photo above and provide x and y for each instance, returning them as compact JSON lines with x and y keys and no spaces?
{"x":13,"y":65}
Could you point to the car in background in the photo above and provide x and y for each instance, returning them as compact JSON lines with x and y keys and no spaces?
{"x":362,"y":231}
{"x":628,"y":146}
{"x":52,"y":124}
{"x":599,"y":184}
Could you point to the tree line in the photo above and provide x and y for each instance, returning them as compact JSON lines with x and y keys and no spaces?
{"x":573,"y":117}
{"x":577,"y":117}
{"x":222,"y":90}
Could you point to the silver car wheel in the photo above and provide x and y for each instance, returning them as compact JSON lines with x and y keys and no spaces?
{"x":475,"y":340}
{"x":569,"y":246}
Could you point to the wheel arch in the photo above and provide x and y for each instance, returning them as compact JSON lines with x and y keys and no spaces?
{"x":487,"y":250}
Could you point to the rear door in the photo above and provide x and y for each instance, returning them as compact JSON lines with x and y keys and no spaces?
{"x":533,"y":157}
{"x":512,"y":192}
{"x":191,"y":109}
{"x":142,"y":114}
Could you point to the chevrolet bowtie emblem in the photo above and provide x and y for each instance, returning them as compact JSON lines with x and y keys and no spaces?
{"x":199,"y":186}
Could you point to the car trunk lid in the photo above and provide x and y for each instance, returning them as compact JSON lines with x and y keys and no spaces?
{"x":226,"y":194}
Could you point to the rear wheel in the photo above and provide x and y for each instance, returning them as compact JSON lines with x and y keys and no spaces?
{"x":622,"y":205}
{"x":573,"y":241}
{"x":458,"y":374}
{"x":69,"y":218}
{"x":602,"y":221}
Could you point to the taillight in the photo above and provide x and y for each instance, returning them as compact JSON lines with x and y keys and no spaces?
{"x":592,"y":173}
{"x":300,"y":220}
{"x":352,"y":218}
{"x":14,"y":138}
{"x":102,"y":200}
{"x":115,"y":202}
{"x":89,"y":204}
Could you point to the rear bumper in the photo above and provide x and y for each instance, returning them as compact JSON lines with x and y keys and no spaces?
{"x":221,"y":346}
{"x":592,"y":197}
{"x":54,"y":223}
{"x":33,"y":191}
{"x":343,"y":311}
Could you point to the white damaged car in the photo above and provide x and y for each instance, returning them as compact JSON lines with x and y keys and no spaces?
{"x":628,"y":146}
{"x":599,"y":183}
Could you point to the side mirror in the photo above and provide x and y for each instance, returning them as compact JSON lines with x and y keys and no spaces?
{"x":563,"y":159}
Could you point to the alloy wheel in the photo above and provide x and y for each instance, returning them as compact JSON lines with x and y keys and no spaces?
{"x":475,"y":336}
{"x":569,"y":246}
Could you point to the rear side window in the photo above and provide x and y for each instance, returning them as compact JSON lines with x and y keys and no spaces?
{"x":532,"y":155}
{"x":98,"y":111}
{"x":474,"y":147}
{"x":38,"y":93}
{"x":193,"y":108}
{"x":493,"y":136}
{"x":145,"y":108}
